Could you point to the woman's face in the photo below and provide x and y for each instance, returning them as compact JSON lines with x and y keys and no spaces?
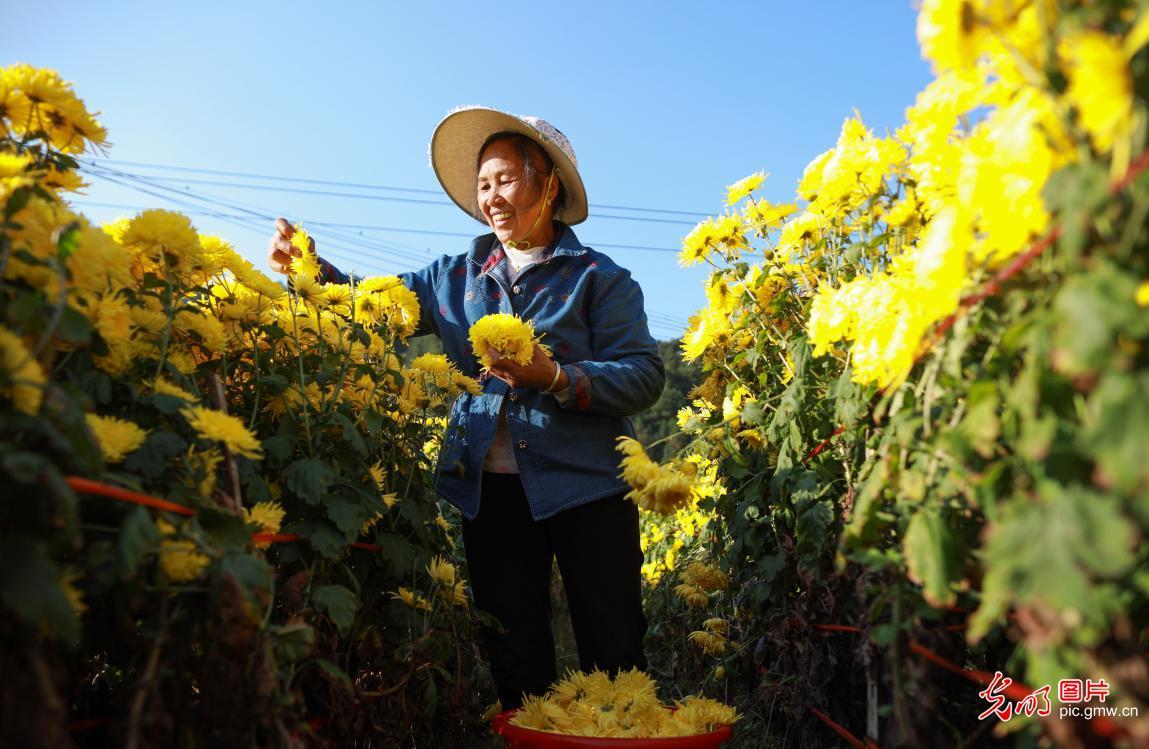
{"x":507,"y":201}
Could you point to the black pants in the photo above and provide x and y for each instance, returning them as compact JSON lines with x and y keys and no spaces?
{"x":509,"y":559}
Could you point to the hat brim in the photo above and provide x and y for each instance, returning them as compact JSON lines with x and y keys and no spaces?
{"x":455,"y":153}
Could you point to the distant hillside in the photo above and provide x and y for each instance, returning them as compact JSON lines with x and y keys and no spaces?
{"x":659,"y":421}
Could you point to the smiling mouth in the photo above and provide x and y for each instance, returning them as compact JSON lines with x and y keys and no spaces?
{"x":501,"y":216}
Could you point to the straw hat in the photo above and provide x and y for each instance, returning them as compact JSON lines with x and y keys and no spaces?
{"x":455,"y":153}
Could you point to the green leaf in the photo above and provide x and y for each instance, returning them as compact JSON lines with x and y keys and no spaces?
{"x":1118,"y":434}
{"x":1092,"y":309}
{"x":279,"y":447}
{"x":336,"y":673}
{"x":252,"y":572}
{"x":398,"y":552}
{"x":981,"y":423}
{"x":74,"y":327}
{"x":137,"y":537}
{"x":863,"y":525}
{"x":68,"y":241}
{"x":294,"y":640}
{"x":753,"y":414}
{"x":350,"y":434}
{"x":347,"y":516}
{"x":24,"y":467}
{"x":16,"y":201}
{"x":339,"y":605}
{"x":274,"y":384}
{"x":30,"y":587}
{"x":812,"y":529}
{"x":151,"y":459}
{"x":1055,"y":552}
{"x":325,"y":539}
{"x":224,"y":528}
{"x":934,"y":556}
{"x":309,"y":479}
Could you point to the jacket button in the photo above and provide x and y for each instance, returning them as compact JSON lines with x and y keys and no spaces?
{"x":514,"y":397}
{"x":517,"y":289}
{"x":522,"y":444}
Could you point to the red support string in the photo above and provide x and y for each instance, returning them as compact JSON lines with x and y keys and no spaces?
{"x":87,"y":486}
{"x":837,"y":728}
{"x":78,"y":726}
{"x":1101,"y":725}
{"x":823,"y":445}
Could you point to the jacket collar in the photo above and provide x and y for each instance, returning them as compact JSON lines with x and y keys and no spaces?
{"x":486,"y":252}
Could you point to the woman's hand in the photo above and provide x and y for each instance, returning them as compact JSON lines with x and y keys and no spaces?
{"x":280,"y":250}
{"x":539,"y":374}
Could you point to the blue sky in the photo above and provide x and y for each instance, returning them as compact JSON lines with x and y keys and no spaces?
{"x":665,"y":103}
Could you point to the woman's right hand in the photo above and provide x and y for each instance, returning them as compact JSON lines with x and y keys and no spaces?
{"x":280,"y":250}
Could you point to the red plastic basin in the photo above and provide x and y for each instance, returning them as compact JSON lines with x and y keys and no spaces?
{"x":517,"y":737}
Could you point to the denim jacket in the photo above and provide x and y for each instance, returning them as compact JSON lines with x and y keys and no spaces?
{"x":589,"y":312}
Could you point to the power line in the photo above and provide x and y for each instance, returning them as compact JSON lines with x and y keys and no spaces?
{"x":361,"y":186}
{"x":431,"y":232}
{"x":339,"y":249}
{"x":349,"y":246}
{"x":385,"y":198}
{"x":251,"y":214}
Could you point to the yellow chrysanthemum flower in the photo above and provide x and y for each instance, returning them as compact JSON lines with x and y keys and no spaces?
{"x":308,"y":262}
{"x":744,"y":187}
{"x":181,"y":562}
{"x":1141,"y":296}
{"x":512,"y":337}
{"x":337,"y":298}
{"x":593,"y":705}
{"x":441,"y":571}
{"x":412,"y":599}
{"x":1100,"y":85}
{"x":385,"y":300}
{"x":455,"y":594}
{"x":158,"y":233}
{"x":162,"y":386}
{"x":764,"y":216}
{"x":267,"y":515}
{"x":949,"y":33}
{"x":116,"y":437}
{"x":306,"y":288}
{"x":378,"y":475}
{"x":41,"y":101}
{"x":712,"y":643}
{"x":716,"y":624}
{"x":706,"y":577}
{"x":21,"y":376}
{"x":217,"y":426}
{"x":692,"y":595}
{"x":68,"y":585}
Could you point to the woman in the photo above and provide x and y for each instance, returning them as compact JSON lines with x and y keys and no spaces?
{"x":531,"y":461}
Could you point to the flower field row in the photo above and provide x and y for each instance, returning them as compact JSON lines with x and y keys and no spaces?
{"x":146,"y":356}
{"x":926,"y":387}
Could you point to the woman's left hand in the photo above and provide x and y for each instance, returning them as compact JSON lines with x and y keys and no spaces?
{"x":539,"y":374}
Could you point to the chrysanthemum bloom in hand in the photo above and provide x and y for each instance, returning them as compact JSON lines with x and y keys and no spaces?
{"x":512,"y":337}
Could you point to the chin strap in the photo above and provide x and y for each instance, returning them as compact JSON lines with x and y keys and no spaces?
{"x":523,"y":244}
